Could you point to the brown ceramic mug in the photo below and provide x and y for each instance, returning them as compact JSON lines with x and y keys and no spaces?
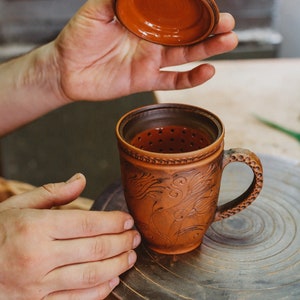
{"x":172,"y":158}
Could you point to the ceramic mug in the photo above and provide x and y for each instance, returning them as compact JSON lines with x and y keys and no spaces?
{"x":172,"y":157}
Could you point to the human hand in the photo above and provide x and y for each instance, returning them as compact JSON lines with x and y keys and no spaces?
{"x":57,"y":254}
{"x":98,"y":59}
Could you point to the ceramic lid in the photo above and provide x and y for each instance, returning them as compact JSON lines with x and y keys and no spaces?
{"x":169,"y":22}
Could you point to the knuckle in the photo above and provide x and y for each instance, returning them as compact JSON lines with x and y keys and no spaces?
{"x":27,"y":262}
{"x":74,"y":296}
{"x":128,"y":241}
{"x":49,"y":188}
{"x":103,"y":292}
{"x":26,"y":234}
{"x":90,"y":276}
{"x":86,"y":225}
{"x":26,"y":259}
{"x":25,"y":226}
{"x":98,"y":249}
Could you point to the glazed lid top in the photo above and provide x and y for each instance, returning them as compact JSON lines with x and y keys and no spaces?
{"x":169,"y":22}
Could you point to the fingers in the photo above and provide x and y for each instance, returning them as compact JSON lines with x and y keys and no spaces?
{"x":171,"y":80}
{"x":223,"y":41}
{"x":215,"y":45}
{"x":49,"y":195}
{"x":95,"y":293}
{"x":88,"y":264}
{"x":219,"y":44}
{"x":95,"y":248}
{"x":226,"y":23}
{"x":88,"y":275}
{"x":99,"y":274}
{"x":68,"y":224}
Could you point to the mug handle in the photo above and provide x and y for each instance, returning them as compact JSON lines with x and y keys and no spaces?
{"x":244,"y":200}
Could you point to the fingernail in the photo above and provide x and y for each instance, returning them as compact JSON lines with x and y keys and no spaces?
{"x":136,"y":240}
{"x":114,"y":282}
{"x":128,"y":224}
{"x":74,"y":177}
{"x":131,"y":258}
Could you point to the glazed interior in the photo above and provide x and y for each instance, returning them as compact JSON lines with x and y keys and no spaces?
{"x":176,"y":22}
{"x":170,"y":129}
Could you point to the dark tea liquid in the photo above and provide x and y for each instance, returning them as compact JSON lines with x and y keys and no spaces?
{"x":171,"y":139}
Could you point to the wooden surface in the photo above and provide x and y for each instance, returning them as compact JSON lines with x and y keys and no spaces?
{"x":267,"y":87}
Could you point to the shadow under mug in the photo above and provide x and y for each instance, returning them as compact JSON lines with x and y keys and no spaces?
{"x":172,"y":157}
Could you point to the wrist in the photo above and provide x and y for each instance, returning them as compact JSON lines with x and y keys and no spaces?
{"x":42,"y":74}
{"x":29,"y":88}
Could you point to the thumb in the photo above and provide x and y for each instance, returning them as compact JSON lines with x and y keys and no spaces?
{"x":48,"y":195}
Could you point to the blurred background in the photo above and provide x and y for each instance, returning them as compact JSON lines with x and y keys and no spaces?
{"x":80,"y":137}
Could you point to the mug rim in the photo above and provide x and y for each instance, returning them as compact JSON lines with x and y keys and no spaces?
{"x":173,"y":157}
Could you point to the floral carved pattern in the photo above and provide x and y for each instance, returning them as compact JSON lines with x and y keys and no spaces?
{"x":173,"y":208}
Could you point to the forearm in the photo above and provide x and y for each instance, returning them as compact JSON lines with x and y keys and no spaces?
{"x":29,"y":88}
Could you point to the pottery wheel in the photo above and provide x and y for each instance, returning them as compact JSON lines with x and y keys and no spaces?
{"x":252,"y":255}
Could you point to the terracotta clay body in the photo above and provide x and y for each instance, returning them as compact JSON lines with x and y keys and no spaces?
{"x":172,"y":159}
{"x":169,"y":22}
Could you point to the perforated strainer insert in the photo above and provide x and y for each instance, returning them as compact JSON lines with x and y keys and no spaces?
{"x":171,"y":139}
